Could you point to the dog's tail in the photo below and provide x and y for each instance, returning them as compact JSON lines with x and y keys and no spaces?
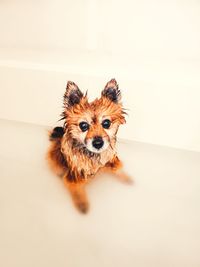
{"x":56,"y":134}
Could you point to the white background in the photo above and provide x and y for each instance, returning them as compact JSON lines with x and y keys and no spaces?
{"x":150,"y":47}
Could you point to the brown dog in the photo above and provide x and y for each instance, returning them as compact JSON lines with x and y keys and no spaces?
{"x":86,"y":143}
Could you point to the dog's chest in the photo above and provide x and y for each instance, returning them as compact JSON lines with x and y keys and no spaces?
{"x":86,"y":163}
{"x":91,"y":164}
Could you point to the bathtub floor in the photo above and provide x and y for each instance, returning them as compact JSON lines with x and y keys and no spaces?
{"x":155,"y":222}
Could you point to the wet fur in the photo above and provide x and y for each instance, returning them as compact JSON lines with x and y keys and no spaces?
{"x":69,"y":157}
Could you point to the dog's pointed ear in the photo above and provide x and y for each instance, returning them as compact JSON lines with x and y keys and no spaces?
{"x":72,"y":95}
{"x":111,"y":91}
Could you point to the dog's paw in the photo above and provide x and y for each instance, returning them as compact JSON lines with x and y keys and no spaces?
{"x":127,"y":179}
{"x":124,"y":178}
{"x":83,"y":207}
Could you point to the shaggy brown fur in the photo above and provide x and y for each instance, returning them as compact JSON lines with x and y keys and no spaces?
{"x":73,"y":153}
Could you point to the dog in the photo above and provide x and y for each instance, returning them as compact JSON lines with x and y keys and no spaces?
{"x":86,"y":144}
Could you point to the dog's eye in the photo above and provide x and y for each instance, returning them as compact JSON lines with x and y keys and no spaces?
{"x":84,"y":126}
{"x":106,"y":124}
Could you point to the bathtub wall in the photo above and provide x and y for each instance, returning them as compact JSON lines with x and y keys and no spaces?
{"x":150,"y":47}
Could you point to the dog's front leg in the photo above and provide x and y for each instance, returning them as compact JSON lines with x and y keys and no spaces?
{"x":78,"y":194}
{"x":123,"y":176}
{"x":115,"y":167}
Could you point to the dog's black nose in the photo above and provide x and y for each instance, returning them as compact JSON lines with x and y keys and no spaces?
{"x":97,"y":142}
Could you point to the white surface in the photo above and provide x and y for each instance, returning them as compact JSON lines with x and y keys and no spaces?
{"x":150,"y":47}
{"x":154,"y":223}
{"x":167,"y":29}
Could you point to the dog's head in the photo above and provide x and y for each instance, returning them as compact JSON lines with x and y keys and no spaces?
{"x":93,"y":124}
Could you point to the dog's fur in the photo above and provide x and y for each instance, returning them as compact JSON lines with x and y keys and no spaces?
{"x":72,"y":155}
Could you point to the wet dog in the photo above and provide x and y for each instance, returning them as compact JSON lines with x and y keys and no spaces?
{"x":86,"y":144}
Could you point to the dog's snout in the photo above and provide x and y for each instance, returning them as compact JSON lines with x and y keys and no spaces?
{"x":97,"y":142}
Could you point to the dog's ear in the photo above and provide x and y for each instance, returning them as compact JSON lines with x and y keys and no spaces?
{"x":111,"y":91}
{"x":72,"y":95}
